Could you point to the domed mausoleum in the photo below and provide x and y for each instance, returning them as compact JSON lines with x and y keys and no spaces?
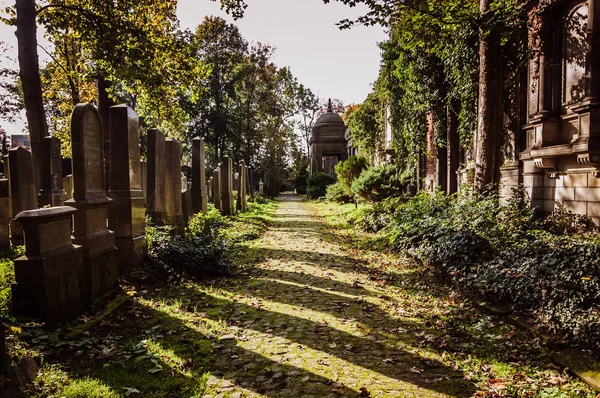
{"x":327,"y":142}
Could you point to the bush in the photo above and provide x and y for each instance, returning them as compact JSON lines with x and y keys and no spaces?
{"x":317,"y":184}
{"x":201,"y":251}
{"x":338,"y":193}
{"x":301,"y":190}
{"x":378,"y":183}
{"x":349,"y":170}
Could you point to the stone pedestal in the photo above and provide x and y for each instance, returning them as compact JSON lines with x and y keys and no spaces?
{"x":5,"y":214}
{"x":22,"y":188}
{"x":50,"y":275}
{"x":126,"y":214}
{"x":173,"y":184}
{"x":227,"y":186}
{"x":217,"y":188}
{"x":156,"y":178}
{"x":89,"y":198}
{"x":52,"y":192}
{"x":199,"y":193}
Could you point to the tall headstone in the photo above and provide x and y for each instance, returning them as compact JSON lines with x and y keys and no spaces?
{"x":68,"y":184}
{"x":173,"y":184}
{"x":52,"y":192}
{"x":199,"y":194}
{"x":156,"y":178}
{"x":50,"y":276}
{"x":217,"y":188}
{"x":144,"y":171}
{"x":5,"y":213}
{"x":227,"y":186}
{"x":210,"y":189}
{"x":261,"y":188}
{"x":100,"y":260}
{"x":242,"y":187}
{"x":22,"y":188}
{"x":126,"y":213}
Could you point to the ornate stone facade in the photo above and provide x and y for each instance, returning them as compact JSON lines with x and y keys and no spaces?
{"x":328,"y":143}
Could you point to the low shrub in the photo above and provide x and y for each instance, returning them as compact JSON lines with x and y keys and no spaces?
{"x":202,"y":251}
{"x":338,"y":193}
{"x":378,"y":183}
{"x":301,"y":190}
{"x":317,"y":184}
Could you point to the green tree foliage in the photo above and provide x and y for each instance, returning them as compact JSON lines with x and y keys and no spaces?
{"x":348,"y":170}
{"x":366,"y":124}
{"x":382,"y":182}
{"x":317,"y":184}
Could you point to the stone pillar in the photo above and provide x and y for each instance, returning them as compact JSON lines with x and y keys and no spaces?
{"x":100,"y":260}
{"x":68,"y":184}
{"x":52,"y":192}
{"x":144,"y":171}
{"x":172,"y":184}
{"x":187,"y":206}
{"x":5,"y":213}
{"x":50,"y":276}
{"x":22,"y":188}
{"x":227,"y":186}
{"x":217,"y":188}
{"x":249,"y":178}
{"x":126,"y":213}
{"x":199,"y":194}
{"x":242,"y":187}
{"x":261,"y":188}
{"x":211,"y":190}
{"x":155,"y":183}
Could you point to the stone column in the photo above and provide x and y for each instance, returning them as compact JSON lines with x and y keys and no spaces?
{"x":156,"y":178}
{"x":227,"y":186}
{"x":217,"y":188}
{"x":199,"y":194}
{"x":100,"y":260}
{"x":50,"y":276}
{"x":173,"y":184}
{"x":22,"y":188}
{"x":126,"y":213}
{"x":5,"y":213}
{"x":52,"y":192}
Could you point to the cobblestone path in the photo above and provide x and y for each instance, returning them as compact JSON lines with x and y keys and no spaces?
{"x":308,"y":320}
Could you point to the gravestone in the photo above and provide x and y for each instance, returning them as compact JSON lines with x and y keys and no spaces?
{"x":126,"y":213}
{"x":50,"y":276}
{"x":100,"y":260}
{"x":236,"y":182}
{"x":261,"y":188}
{"x":156,"y":185}
{"x":144,"y":171}
{"x":242,"y":188}
{"x":210,"y":189}
{"x":250,"y":184}
{"x":227,"y":186}
{"x":172,"y":184}
{"x":22,"y":188}
{"x":217,"y":188}
{"x":199,"y":194}
{"x":68,"y":184}
{"x":52,"y":192}
{"x":5,"y":213}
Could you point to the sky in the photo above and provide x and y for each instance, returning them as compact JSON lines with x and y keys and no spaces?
{"x":333,"y":63}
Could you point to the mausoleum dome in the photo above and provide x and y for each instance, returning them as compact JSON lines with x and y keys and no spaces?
{"x":329,"y":117}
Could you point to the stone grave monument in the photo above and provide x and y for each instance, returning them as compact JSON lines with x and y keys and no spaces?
{"x":156,"y":178}
{"x":227,"y":186}
{"x":52,"y":192}
{"x":199,"y":194}
{"x":217,"y":188}
{"x":22,"y":188}
{"x":173,"y":184}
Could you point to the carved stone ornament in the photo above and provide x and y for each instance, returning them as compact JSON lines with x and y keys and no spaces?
{"x":545,"y":163}
{"x":589,"y":159}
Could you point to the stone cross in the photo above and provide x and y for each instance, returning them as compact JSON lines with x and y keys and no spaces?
{"x":217,"y":188}
{"x":173,"y":184}
{"x":52,"y":192}
{"x":156,"y":178}
{"x":100,"y":260}
{"x":50,"y":276}
{"x":227,"y":186}
{"x":126,"y":213}
{"x":199,"y":194}
{"x":22,"y":188}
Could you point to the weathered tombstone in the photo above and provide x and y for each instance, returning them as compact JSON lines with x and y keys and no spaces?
{"x":210,"y":189}
{"x":172,"y":184}
{"x":4,"y":213}
{"x":199,"y":194}
{"x":227,"y":187}
{"x":50,"y":276}
{"x":68,"y":184}
{"x":187,"y":207}
{"x":52,"y":192}
{"x":261,"y":188}
{"x":217,"y":188}
{"x":156,"y":181}
{"x":250,"y":183}
{"x":144,"y":171}
{"x":100,"y":260}
{"x":126,"y":213}
{"x":241,"y":199}
{"x":236,"y":182}
{"x":22,"y":188}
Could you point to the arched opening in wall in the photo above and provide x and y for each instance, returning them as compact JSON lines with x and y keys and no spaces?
{"x":574,"y":50}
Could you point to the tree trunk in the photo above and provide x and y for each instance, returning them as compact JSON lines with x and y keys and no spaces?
{"x":29,"y":72}
{"x":488,"y":143}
